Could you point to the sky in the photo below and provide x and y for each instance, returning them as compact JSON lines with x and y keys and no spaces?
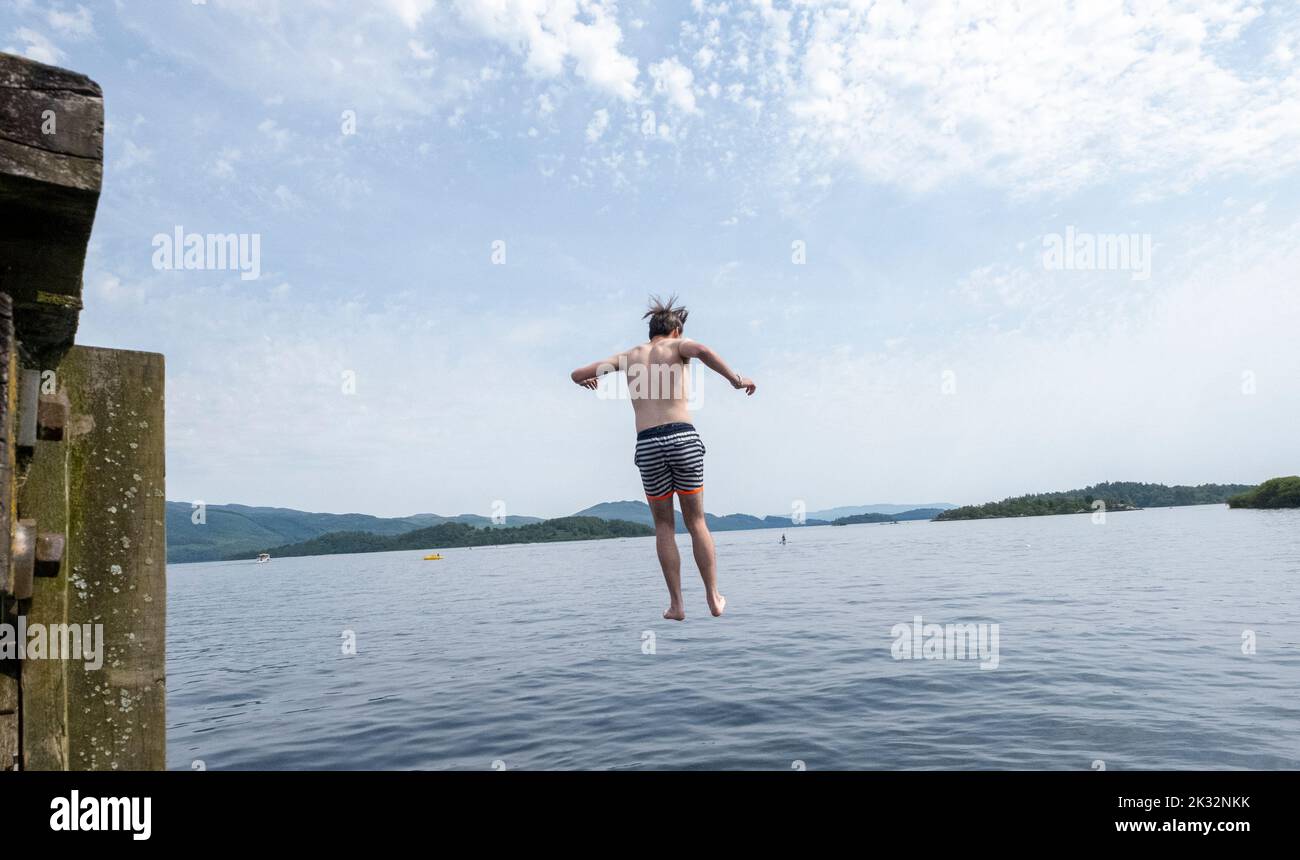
{"x":880,"y":211}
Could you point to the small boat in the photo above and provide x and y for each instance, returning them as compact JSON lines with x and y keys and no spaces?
{"x":434,"y":557}
{"x":263,"y":558}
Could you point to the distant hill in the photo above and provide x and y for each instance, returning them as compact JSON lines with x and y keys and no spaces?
{"x":447,"y":535}
{"x":905,"y":516}
{"x":242,"y":531}
{"x":232,"y":530}
{"x":854,"y":510}
{"x":639,"y":512}
{"x":1118,"y":496}
{"x":919,"y":514}
{"x":632,"y":512}
{"x":1273,"y":493}
{"x":860,"y":519}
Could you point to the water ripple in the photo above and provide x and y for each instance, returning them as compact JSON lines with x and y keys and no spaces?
{"x":1121,"y":642}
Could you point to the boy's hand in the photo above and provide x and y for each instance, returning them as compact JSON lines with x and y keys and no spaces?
{"x":746,"y":383}
{"x":589,"y":383}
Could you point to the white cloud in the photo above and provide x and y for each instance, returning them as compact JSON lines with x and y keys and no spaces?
{"x":550,"y":33}
{"x":411,"y":12}
{"x":108,"y":287}
{"x":378,"y":56}
{"x":1003,"y":286}
{"x":36,"y":46}
{"x":224,"y":165}
{"x":599,"y":122}
{"x":325,"y":52}
{"x":346,"y":190}
{"x":1012,"y":97}
{"x":674,"y":80}
{"x":284,"y":198}
{"x":77,"y":24}
{"x":419,"y":51}
{"x":278,"y":136}
{"x":133,"y":155}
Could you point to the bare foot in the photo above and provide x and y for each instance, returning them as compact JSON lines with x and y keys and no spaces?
{"x":675,"y":613}
{"x":717,"y":604}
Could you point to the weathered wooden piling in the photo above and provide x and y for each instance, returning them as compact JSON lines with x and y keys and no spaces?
{"x":82,"y":472}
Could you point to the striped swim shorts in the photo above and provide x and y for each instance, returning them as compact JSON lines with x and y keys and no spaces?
{"x":671,"y":460}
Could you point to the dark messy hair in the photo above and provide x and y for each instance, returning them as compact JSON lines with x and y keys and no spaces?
{"x":665,"y":317}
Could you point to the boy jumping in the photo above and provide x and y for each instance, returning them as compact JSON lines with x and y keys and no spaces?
{"x":669,"y":452}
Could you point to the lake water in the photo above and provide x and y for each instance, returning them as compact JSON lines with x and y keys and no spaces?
{"x":1119,"y":642}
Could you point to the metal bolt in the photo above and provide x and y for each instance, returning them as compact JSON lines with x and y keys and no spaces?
{"x":52,"y":416}
{"x":49,"y":553}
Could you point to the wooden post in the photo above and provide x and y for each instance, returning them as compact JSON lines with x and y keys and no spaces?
{"x":8,"y":607}
{"x":86,"y":474}
{"x":102,"y":487}
{"x":114,"y":563}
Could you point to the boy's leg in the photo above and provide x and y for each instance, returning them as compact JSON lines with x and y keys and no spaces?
{"x":702,"y":547}
{"x":669,"y":559}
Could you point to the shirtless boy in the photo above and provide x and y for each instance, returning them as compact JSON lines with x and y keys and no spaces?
{"x":669,"y":452}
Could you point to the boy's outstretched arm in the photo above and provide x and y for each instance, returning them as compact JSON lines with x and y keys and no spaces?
{"x":713,"y":361}
{"x":588,"y":376}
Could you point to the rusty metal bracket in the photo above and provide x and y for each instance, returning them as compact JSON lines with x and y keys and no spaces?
{"x":23,"y":555}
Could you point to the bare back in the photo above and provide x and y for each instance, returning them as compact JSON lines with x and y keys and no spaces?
{"x":670,"y":459}
{"x":658,"y":382}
